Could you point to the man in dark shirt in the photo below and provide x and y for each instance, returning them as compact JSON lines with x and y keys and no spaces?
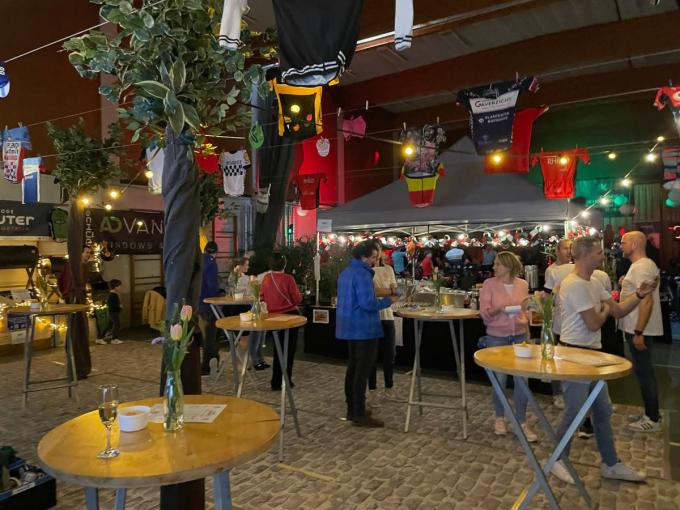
{"x":114,"y":309}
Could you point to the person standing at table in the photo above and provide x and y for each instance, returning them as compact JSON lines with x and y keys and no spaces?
{"x":641,"y":326}
{"x":253,"y":341}
{"x":488,"y":257}
{"x":553,"y":278}
{"x":399,"y":260}
{"x":385,"y":284}
{"x":500,"y":306}
{"x":426,"y":266}
{"x":585,"y":306}
{"x":210,"y":287}
{"x":281,"y":295}
{"x":358,"y":322}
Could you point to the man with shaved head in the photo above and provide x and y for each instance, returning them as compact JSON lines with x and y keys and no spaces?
{"x":641,"y":326}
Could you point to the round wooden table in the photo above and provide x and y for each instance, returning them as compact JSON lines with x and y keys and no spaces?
{"x":273,"y":323}
{"x":420,"y":316}
{"x":153,"y":457}
{"x":50,"y":310}
{"x":229,"y":300}
{"x":569,"y":364}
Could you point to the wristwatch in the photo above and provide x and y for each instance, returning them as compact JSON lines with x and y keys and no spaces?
{"x":637,"y":332}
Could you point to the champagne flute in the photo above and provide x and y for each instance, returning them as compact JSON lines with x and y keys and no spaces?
{"x":108,"y":412}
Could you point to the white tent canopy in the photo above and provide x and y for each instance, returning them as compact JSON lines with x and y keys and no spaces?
{"x":466,"y":199}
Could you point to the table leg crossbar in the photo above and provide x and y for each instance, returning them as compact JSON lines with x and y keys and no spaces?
{"x":238,"y":377}
{"x":541,"y":481}
{"x":459,"y":353}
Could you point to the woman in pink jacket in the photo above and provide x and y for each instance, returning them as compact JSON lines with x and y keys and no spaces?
{"x":500,"y":305}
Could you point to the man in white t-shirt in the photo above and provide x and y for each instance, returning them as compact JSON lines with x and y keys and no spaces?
{"x":553,"y":278}
{"x":641,"y":326}
{"x":585,"y":306}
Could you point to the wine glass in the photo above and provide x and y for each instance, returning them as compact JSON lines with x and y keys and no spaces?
{"x":108,"y":412}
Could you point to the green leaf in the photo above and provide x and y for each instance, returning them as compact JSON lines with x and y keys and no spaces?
{"x":177,"y":119}
{"x":76,"y":59}
{"x":191,"y":116}
{"x":142,"y":35}
{"x":147,"y":19}
{"x":170,"y":103}
{"x":126,"y":7}
{"x":136,"y":134}
{"x":178,"y":74}
{"x":153,"y":88}
{"x":238,"y":75}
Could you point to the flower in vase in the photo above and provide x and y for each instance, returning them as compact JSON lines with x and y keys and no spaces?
{"x":176,"y":332}
{"x":185,"y":313}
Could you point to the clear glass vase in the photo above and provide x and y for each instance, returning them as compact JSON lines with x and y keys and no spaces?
{"x":547,"y":341}
{"x":258,"y":310}
{"x":173,"y":404}
{"x":437,"y":301}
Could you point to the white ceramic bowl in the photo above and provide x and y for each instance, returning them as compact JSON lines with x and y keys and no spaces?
{"x":523,"y":351}
{"x":133,"y":418}
{"x":246,"y":316}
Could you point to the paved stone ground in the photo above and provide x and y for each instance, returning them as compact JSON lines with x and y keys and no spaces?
{"x":337,"y":466}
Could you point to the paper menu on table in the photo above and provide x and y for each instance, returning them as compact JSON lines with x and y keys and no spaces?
{"x":193,"y":413}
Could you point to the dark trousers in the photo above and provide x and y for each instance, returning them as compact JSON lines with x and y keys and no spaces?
{"x":113,"y":327}
{"x":362,"y":354}
{"x":386,"y":353}
{"x":209,"y":333}
{"x":277,"y":375}
{"x":644,"y":371}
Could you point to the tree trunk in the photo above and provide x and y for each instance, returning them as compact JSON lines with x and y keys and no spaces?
{"x":182,"y":267}
{"x":79,"y":328}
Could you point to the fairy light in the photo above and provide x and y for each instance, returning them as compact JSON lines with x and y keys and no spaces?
{"x":140,"y":223}
{"x":626,"y":182}
{"x":585,"y":214}
{"x":461,"y":237}
{"x":114,"y":194}
{"x":604,"y":201}
{"x":592,"y":231}
{"x":612,"y":155}
{"x":546,"y":228}
{"x":650,"y":157}
{"x":564,"y":160}
{"x":409,"y":150}
{"x":497,"y":158}
{"x":85,"y":201}
{"x":108,"y":207}
{"x":148,"y":174}
{"x":660,"y":139}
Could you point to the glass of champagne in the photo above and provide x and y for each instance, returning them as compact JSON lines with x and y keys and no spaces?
{"x":108,"y":412}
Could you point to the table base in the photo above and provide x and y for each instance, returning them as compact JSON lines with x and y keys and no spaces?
{"x":70,"y":380}
{"x":541,"y":481}
{"x":458,"y":342}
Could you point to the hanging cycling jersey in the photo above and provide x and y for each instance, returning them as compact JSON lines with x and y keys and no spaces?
{"x":669,"y":96}
{"x":670,"y":157}
{"x":13,"y":161}
{"x":516,"y":160}
{"x":299,"y":111}
{"x":492,"y":111}
{"x":422,"y":168}
{"x":316,"y":39}
{"x":308,"y":190}
{"x":559,"y":171}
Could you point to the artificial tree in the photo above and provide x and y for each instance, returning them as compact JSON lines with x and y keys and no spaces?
{"x":84,"y":165}
{"x":174,"y":85}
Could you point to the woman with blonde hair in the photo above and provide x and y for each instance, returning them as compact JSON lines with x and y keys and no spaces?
{"x":500,"y":305}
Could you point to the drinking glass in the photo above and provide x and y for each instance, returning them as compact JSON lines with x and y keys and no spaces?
{"x":108,"y":412}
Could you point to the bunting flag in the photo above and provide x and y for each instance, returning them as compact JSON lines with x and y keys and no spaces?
{"x":492,"y":111}
{"x":30,"y":185}
{"x":12,"y":160}
{"x":422,"y":168}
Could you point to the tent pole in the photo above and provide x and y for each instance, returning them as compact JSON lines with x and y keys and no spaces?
{"x":317,"y":266}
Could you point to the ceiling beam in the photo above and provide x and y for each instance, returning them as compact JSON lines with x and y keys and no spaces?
{"x":433,"y":16}
{"x":592,"y":87}
{"x":541,"y":55}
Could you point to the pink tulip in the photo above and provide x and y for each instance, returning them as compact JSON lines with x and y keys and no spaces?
{"x":185,"y":313}
{"x":176,"y":332}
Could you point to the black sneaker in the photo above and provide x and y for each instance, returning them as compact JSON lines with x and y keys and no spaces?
{"x":262,"y":366}
{"x":586,"y":430}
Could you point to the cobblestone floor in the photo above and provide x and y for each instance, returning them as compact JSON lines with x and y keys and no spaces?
{"x":337,"y":466}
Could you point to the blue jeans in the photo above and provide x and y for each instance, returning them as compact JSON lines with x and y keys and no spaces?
{"x":575,"y":394}
{"x":644,"y":371}
{"x":518,"y":395}
{"x":255,"y":341}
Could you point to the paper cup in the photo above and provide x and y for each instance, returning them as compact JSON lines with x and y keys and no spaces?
{"x":523,"y":351}
{"x":246,"y":317}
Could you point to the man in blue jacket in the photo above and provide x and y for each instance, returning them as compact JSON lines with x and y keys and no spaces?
{"x":358,"y":322}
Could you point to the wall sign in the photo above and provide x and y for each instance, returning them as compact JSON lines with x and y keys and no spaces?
{"x":126,"y":232}
{"x":24,"y":220}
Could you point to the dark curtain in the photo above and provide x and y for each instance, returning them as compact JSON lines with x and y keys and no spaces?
{"x":278,"y":159}
{"x":182,"y":267}
{"x":79,"y":327}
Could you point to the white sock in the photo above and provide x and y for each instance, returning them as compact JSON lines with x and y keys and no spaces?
{"x":403,"y":24}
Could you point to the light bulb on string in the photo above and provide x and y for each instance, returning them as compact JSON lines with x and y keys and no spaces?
{"x":604,"y":200}
{"x":660,"y":139}
{"x":114,"y":193}
{"x":85,"y":201}
{"x":612,"y":155}
{"x":140,"y":223}
{"x":497,"y":158}
{"x":592,"y":231}
{"x":148,"y":174}
{"x":650,"y":157}
{"x":626,"y":182}
{"x":564,"y":160}
{"x":409,"y":150}
{"x":585,"y":214}
{"x":546,"y":228}
{"x":295,"y":108}
{"x":108,"y":207}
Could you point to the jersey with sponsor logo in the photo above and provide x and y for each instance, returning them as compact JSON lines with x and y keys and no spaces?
{"x":308,"y":190}
{"x":492,"y":111}
{"x":559,"y":171}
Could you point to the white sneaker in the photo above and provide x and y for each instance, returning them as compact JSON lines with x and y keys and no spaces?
{"x":530,"y":434}
{"x":645,"y":424}
{"x":558,"y":401}
{"x":373,"y":400}
{"x":100,"y":341}
{"x":116,"y":341}
{"x":560,"y":471}
{"x":500,"y":427}
{"x":635,"y":417}
{"x":620,"y":471}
